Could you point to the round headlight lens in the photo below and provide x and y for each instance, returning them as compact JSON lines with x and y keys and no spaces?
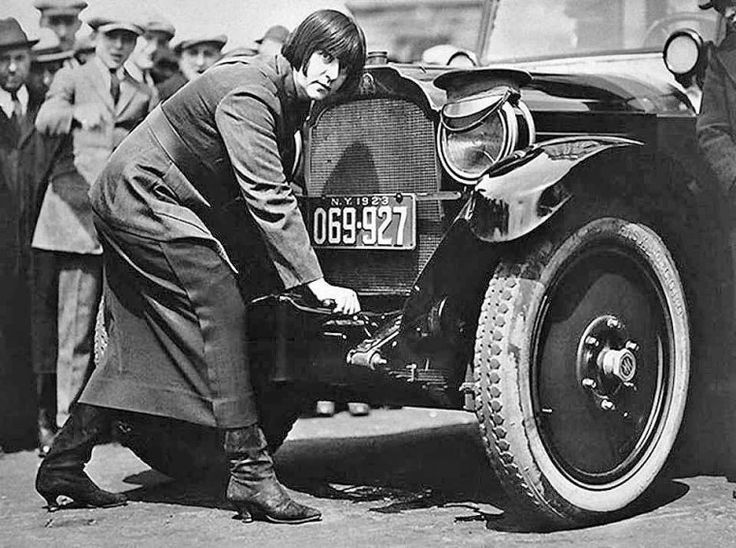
{"x":682,"y":52}
{"x":474,"y":151}
{"x":467,"y":154}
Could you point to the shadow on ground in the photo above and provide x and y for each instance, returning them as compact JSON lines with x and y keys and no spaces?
{"x":415,"y":470}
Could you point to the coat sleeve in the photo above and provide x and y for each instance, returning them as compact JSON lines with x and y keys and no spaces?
{"x":56,"y":113}
{"x":248,"y":129}
{"x":714,"y":125}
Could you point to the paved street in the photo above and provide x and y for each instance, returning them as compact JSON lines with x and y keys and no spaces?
{"x":409,"y":477}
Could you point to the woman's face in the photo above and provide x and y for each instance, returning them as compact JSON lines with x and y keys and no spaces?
{"x":323,"y":76}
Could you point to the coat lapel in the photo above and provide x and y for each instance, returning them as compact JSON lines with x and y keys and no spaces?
{"x":27,"y":126}
{"x":128,"y":89}
{"x":8,"y":132}
{"x":92,"y":74}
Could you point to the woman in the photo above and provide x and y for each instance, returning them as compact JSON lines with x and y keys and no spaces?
{"x":170,"y":209}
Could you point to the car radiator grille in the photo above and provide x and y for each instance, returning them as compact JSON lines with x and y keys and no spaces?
{"x":374,"y":146}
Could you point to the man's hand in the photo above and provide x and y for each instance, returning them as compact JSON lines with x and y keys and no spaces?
{"x":89,"y":116}
{"x":346,"y":300}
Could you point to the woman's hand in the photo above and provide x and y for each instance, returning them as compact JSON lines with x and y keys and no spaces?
{"x":346,"y":300}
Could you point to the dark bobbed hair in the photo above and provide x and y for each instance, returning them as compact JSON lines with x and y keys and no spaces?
{"x":333,"y":33}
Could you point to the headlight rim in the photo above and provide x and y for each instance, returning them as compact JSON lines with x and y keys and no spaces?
{"x":510,"y":126}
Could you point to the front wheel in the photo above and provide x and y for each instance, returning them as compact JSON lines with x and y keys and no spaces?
{"x":581,"y":368}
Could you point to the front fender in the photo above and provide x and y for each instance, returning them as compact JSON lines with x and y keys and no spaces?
{"x":520,"y":194}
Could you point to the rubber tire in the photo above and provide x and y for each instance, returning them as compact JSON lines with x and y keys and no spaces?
{"x":503,"y":369}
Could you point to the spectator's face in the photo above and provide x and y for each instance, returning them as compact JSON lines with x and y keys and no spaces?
{"x":15,"y":65}
{"x":114,"y":47}
{"x":198,"y":58}
{"x":43,"y":73}
{"x":148,"y":45}
{"x":65,"y":27}
{"x":322,"y":77}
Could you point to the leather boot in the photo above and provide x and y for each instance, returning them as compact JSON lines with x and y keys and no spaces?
{"x":47,"y":427}
{"x":253,"y":488}
{"x":62,"y":471}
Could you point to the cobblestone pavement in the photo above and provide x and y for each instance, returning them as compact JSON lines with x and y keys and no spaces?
{"x":409,"y":477}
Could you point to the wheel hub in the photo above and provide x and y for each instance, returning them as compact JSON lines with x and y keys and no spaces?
{"x":606,"y":360}
{"x":619,"y":363}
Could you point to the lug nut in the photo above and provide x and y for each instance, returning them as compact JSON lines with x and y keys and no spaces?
{"x":613,"y":323}
{"x":632,"y":346}
{"x":590,"y":340}
{"x":608,"y":405}
{"x":589,"y":383}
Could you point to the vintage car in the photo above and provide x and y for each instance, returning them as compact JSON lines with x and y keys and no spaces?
{"x":534,"y":240}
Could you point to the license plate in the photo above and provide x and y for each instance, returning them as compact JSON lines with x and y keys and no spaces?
{"x":378,"y":221}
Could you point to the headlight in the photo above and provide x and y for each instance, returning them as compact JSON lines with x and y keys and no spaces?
{"x":684,"y":52}
{"x":477,"y":132}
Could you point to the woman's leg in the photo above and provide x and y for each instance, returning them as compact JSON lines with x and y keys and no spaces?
{"x":62,"y":471}
{"x":253,"y":489}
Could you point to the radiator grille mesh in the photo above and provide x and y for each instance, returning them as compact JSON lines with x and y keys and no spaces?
{"x":370,"y":146}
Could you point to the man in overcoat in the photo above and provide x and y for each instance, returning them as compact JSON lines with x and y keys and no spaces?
{"x":97,"y":104}
{"x":24,"y":160}
{"x":716,"y":124}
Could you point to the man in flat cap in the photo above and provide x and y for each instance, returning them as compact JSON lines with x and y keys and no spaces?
{"x":152,"y":57}
{"x":61,"y":16}
{"x":98,"y":103}
{"x":23,"y":161}
{"x":196,"y":54}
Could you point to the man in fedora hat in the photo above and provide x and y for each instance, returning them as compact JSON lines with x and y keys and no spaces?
{"x":23,"y":162}
{"x":62,"y":17}
{"x":98,"y":104}
{"x":48,"y":57}
{"x":196,"y":54}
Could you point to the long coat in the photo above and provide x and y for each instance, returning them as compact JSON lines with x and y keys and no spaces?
{"x":24,"y":160}
{"x":716,"y":124}
{"x":65,"y":221}
{"x":188,"y":203}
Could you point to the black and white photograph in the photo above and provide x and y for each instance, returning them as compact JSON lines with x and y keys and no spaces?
{"x":359,"y":273}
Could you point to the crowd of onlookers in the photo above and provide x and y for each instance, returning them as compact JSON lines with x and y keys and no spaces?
{"x":66,"y":102}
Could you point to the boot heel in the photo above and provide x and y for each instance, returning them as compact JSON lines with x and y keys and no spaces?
{"x":52,"y":504}
{"x":244,"y":514}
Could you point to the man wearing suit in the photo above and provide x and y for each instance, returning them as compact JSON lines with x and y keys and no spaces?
{"x":23,"y":162}
{"x":97,"y":104}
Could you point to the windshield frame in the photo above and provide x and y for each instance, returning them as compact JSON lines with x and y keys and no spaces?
{"x":489,"y":20}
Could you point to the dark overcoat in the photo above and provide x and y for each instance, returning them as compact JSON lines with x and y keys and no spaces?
{"x":25,"y":158}
{"x":716,"y":124}
{"x":24,"y":162}
{"x":185,"y":203}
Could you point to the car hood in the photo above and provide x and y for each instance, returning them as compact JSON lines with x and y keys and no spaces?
{"x":612,"y":84}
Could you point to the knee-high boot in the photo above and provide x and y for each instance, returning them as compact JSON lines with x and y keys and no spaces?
{"x":62,"y":471}
{"x":253,"y":488}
